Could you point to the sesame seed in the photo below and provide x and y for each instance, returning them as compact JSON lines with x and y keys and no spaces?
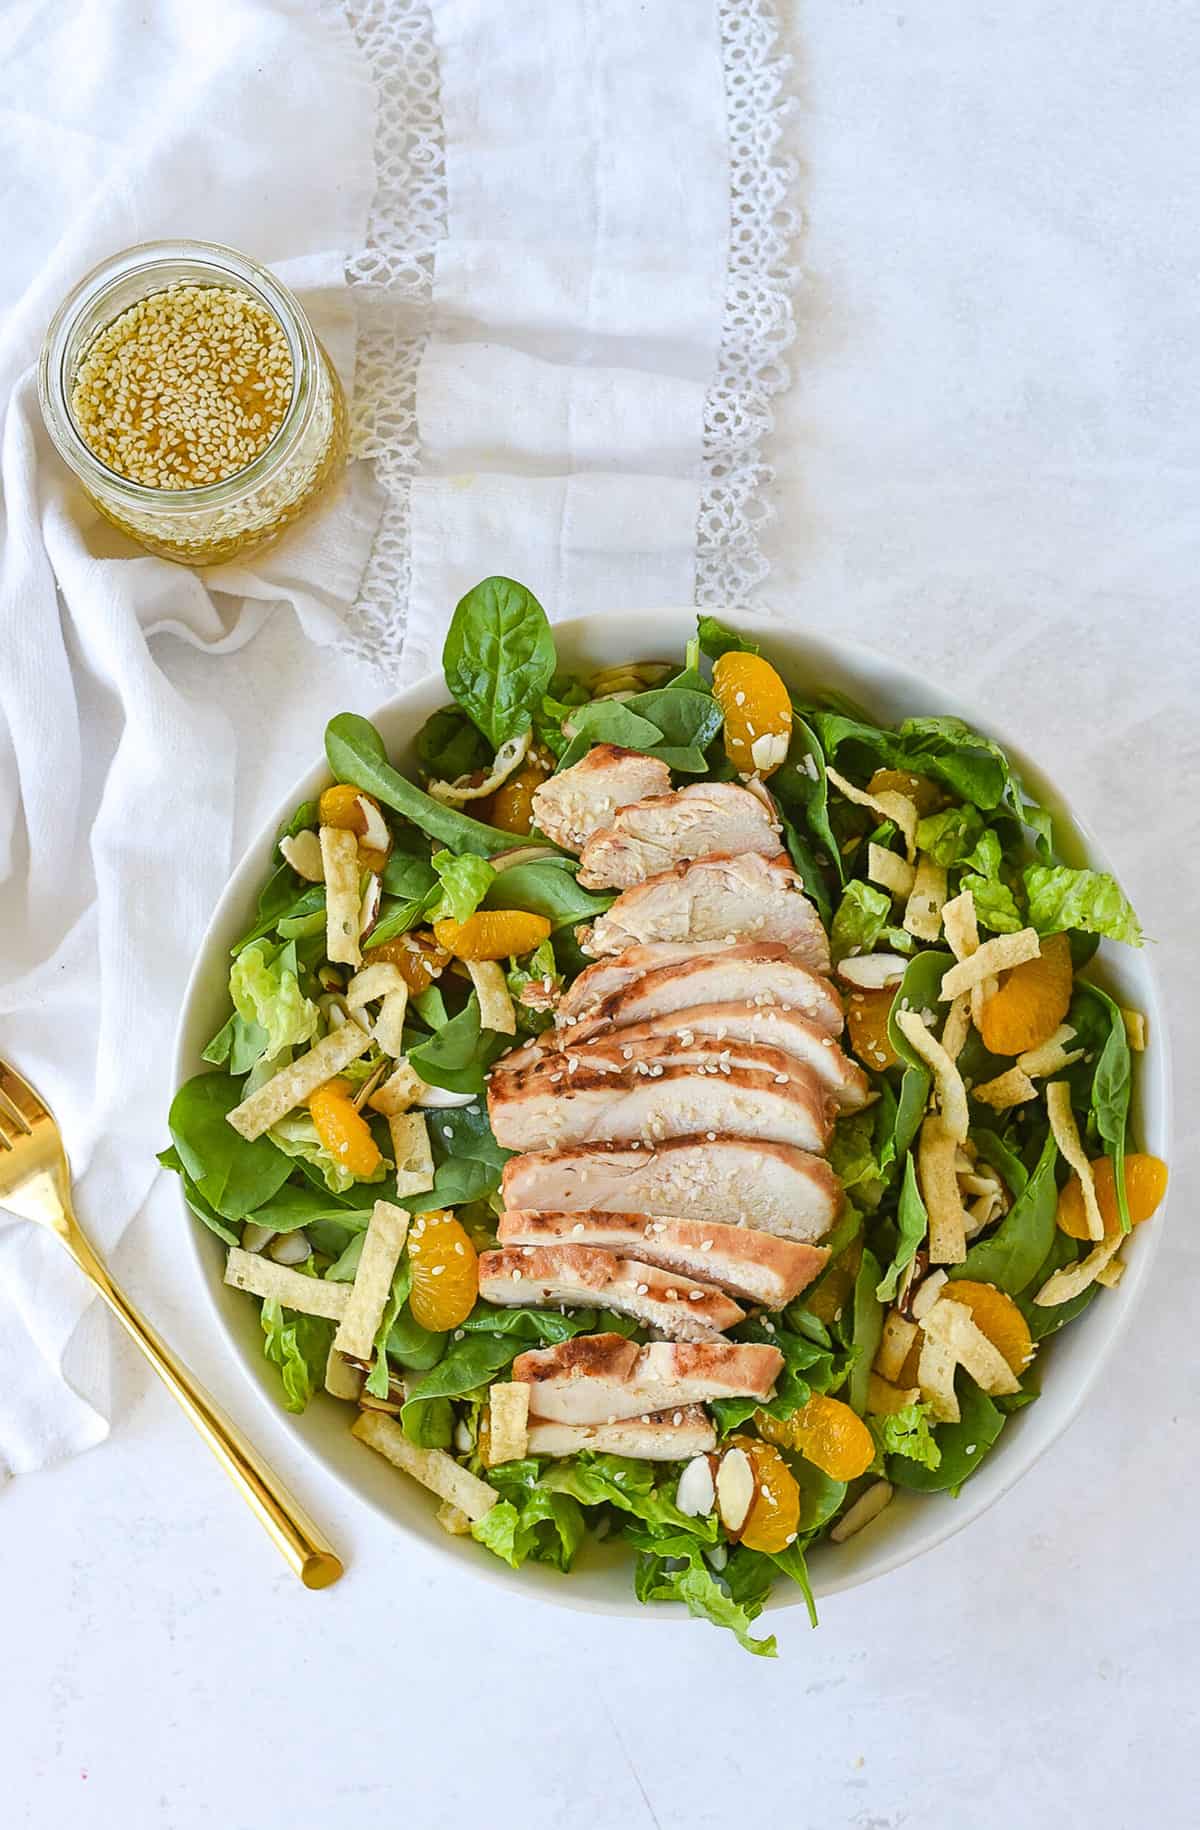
{"x":677,"y":1419}
{"x":516,"y":1277}
{"x":436,"y":1270}
{"x":643,"y":1289}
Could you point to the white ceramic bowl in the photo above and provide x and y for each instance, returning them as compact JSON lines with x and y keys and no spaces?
{"x":1074,"y":1359}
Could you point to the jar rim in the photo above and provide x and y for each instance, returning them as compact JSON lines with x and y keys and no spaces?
{"x":144,"y":259}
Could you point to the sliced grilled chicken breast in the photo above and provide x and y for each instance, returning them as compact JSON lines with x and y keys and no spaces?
{"x":534,"y":1276}
{"x":613,"y":1052}
{"x":601,"y":1378}
{"x":753,"y":1265}
{"x":748,"y":975}
{"x":574,"y":804}
{"x":608,"y":975}
{"x":694,"y":822}
{"x":529,"y":1112}
{"x":661,"y":1436}
{"x":738,"y":1181}
{"x":781,"y":1029}
{"x":744,"y":898}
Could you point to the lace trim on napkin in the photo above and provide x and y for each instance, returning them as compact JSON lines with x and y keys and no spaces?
{"x":392,"y":281}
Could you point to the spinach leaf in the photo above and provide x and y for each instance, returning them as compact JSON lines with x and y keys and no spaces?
{"x":1042,"y":1322}
{"x":458,"y":1056}
{"x":807,"y":1368}
{"x":296,"y":1205}
{"x":910,"y":1111}
{"x":408,"y":875}
{"x":356,"y":754}
{"x":715,"y":639}
{"x":532,"y":1327}
{"x":1090,"y":901}
{"x":238,"y":1043}
{"x":803,"y":784}
{"x":609,"y":721}
{"x":804,"y":860}
{"x":466,"y":1366}
{"x":1009,"y":1258}
{"x":821,"y":1497}
{"x":913,"y":1223}
{"x":995,"y":1151}
{"x":279,"y":896}
{"x":546,"y":887}
{"x":868,"y":1329}
{"x":684,"y":718}
{"x":1111,"y":1086}
{"x":920,"y":989}
{"x":963,"y":1445}
{"x":412,"y":1346}
{"x":468,"y":1158}
{"x":203,"y":1210}
{"x":499,"y":657}
{"x":450,"y":745}
{"x":231,"y":1174}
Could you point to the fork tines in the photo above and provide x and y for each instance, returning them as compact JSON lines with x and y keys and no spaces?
{"x":12,"y":1116}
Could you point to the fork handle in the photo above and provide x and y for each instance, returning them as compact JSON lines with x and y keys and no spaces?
{"x":303,"y":1544}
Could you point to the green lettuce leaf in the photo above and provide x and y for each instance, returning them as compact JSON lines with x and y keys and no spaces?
{"x":630,"y":1486}
{"x":1089,"y":901}
{"x":995,"y":904}
{"x":853,"y":1159}
{"x":700,"y":1592}
{"x":299,"y":1345}
{"x":862,"y":915}
{"x":907,"y":1433}
{"x":531,"y":1523}
{"x":264,"y":986}
{"x":949,"y":836}
{"x":464,"y":882}
{"x":913,"y":1223}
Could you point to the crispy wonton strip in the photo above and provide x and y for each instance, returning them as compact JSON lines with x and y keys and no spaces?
{"x":935,"y":1376}
{"x":1066,"y":1136}
{"x":961,"y":927}
{"x":495,"y":1006}
{"x":957,"y":1026}
{"x":1012,"y":1088}
{"x":952,"y":1323}
{"x":894,"y":1344}
{"x":279,"y":1283}
{"x":453,"y":1519}
{"x":1111,"y":1274}
{"x":952,"y":1095}
{"x":939,"y":1191}
{"x":993,"y":956}
{"x":293,"y":1084}
{"x":923,"y":912}
{"x":1135,"y":1029}
{"x":411,"y":1149}
{"x":1074,"y":1279}
{"x":339,"y":858}
{"x":1052,"y":1056}
{"x":889,"y":805}
{"x":373,"y":982}
{"x":389,"y":1024}
{"x":432,"y":1467}
{"x":400,"y":1091}
{"x":508,"y":1423}
{"x":889,"y":871}
{"x":382,"y":1245}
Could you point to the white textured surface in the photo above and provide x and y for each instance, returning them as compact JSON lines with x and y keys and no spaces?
{"x":987,"y":465}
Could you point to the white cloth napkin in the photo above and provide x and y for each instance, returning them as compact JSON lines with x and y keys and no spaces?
{"x":571,"y":298}
{"x":240,"y":123}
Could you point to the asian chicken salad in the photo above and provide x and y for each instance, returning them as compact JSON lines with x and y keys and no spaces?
{"x":680,"y":1115}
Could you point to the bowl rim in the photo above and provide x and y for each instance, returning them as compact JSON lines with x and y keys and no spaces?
{"x":972,"y":1502}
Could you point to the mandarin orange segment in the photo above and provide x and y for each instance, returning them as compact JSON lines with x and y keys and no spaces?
{"x":867,"y":1014}
{"x":341,"y":806}
{"x":445,"y":1271}
{"x":1145,"y":1186}
{"x":925,"y":795}
{"x":344,"y":1132}
{"x":492,"y":934}
{"x":1031,"y":1002}
{"x":757,"y":712}
{"x":774,"y":1514}
{"x":833,"y":1437}
{"x":511,"y":807}
{"x":417,"y":955}
{"x":833,"y":1292}
{"x":996,"y":1316}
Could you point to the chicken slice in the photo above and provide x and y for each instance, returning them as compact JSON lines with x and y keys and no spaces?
{"x":584,"y":1276}
{"x":768,"y":1186}
{"x":745,"y":898}
{"x":614,"y":1052}
{"x":601,"y":1378}
{"x":751,"y":1264}
{"x":574,"y":804}
{"x":608,"y":975}
{"x":529,"y":1112}
{"x":743,"y":975}
{"x":781,"y":1029}
{"x":666,"y":829}
{"x":662,"y":1436}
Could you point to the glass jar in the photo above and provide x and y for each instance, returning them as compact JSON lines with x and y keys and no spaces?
{"x":214,"y":521}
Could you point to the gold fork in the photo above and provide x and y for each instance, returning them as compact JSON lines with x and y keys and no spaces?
{"x":35,"y":1182}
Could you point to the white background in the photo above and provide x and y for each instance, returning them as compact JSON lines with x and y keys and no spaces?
{"x":987,"y":466}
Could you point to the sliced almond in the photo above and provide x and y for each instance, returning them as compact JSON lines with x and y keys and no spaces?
{"x":866,"y":1507}
{"x":302,"y":850}
{"x":927,"y":1294}
{"x":872,"y":971}
{"x":696,"y":1493}
{"x":735,"y":1489}
{"x":374,"y":835}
